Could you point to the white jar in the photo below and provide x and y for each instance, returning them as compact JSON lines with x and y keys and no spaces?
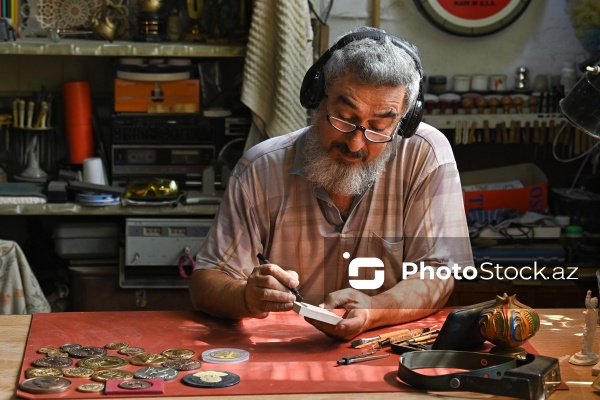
{"x":461,"y":83}
{"x":479,"y":83}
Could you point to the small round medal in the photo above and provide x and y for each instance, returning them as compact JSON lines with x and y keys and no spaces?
{"x":131,"y":351}
{"x":91,"y":387}
{"x":43,"y":371}
{"x":45,"y":385}
{"x":151,"y":359}
{"x":78,"y":372}
{"x":53,"y":362}
{"x":70,"y":346}
{"x":88,"y":351}
{"x":103,"y":362}
{"x":156,"y":373}
{"x":211,"y":379}
{"x":178,"y":354}
{"x":225,"y":356}
{"x":107,"y":374}
{"x":57,"y":354}
{"x":135,"y":384}
{"x":46,"y":350}
{"x":182,"y":365}
{"x":116,"y":346}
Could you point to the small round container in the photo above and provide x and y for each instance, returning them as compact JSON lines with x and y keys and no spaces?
{"x":497,"y":83}
{"x":461,"y":83}
{"x":479,"y":83}
{"x":436,"y":84}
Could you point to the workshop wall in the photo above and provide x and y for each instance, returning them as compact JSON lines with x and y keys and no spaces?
{"x":541,"y":39}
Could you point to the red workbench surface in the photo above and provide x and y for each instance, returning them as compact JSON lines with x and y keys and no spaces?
{"x":287,"y":355}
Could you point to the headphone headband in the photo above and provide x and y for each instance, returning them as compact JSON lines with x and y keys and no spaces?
{"x":312,"y":91}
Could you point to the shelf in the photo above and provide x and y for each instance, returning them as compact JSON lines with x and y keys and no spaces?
{"x":83,"y":47}
{"x":117,"y":210}
{"x":449,"y":121}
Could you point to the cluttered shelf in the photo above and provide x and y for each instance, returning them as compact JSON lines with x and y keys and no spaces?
{"x":116,"y":210}
{"x":448,"y":121}
{"x":119,"y":48}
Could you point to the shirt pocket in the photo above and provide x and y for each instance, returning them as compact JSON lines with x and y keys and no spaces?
{"x":391,"y":252}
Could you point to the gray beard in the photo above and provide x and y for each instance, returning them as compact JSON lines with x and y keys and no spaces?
{"x":337,"y":176}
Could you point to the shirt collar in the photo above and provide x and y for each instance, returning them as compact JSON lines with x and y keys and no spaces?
{"x":297,"y":167}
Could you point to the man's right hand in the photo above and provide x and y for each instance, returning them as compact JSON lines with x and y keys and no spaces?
{"x":267,"y":290}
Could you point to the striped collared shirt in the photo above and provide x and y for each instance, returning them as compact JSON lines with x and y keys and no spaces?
{"x":413,"y":213}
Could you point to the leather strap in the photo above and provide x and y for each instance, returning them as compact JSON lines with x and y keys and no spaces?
{"x":478,"y":365}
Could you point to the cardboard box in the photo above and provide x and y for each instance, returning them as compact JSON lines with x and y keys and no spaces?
{"x":182,"y":96}
{"x":532,"y":196}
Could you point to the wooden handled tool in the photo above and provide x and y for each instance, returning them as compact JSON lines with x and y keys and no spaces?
{"x":364,"y":342}
{"x":471,"y":138}
{"x":22,"y":113}
{"x":387,"y":338}
{"x":30,"y":108}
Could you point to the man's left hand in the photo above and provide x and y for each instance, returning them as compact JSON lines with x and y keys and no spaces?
{"x":356,"y":319}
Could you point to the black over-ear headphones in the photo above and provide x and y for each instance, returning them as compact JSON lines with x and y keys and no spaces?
{"x":312,"y":91}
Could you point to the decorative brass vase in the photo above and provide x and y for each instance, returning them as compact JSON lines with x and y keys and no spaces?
{"x":509,"y":324}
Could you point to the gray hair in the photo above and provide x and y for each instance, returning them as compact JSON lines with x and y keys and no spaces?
{"x":377,"y":63}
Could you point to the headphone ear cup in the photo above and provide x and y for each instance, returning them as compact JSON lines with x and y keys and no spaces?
{"x":312,"y":90}
{"x":410,"y":122}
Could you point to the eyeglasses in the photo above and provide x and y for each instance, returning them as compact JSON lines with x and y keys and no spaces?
{"x":347,"y":127}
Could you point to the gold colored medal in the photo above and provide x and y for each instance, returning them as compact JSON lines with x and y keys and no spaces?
{"x":116,"y":346}
{"x":43,"y":371}
{"x":46,"y":350}
{"x":131,"y":351}
{"x":91,"y":387}
{"x":108,"y":374}
{"x":78,"y":372}
{"x":103,"y":362}
{"x":152,"y":359}
{"x":57,"y":354}
{"x":178,"y":354}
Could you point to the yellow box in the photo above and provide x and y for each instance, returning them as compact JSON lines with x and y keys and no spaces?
{"x":181,"y":96}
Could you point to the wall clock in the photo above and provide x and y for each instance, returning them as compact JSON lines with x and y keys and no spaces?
{"x":471,"y":17}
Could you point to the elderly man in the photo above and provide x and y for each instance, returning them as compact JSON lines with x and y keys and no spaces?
{"x":366,"y":182}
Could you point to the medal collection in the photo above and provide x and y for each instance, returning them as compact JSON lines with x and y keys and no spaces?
{"x":106,"y":373}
